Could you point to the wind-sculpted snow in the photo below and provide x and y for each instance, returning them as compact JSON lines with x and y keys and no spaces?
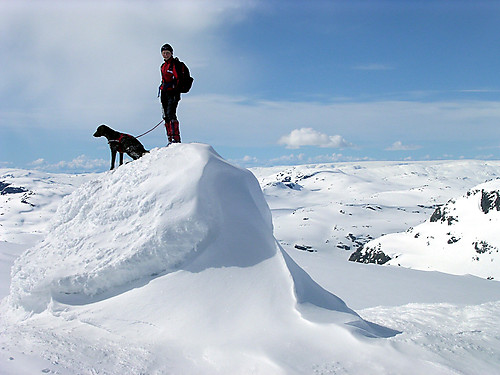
{"x":175,"y":252}
{"x":179,"y":208}
{"x":147,"y":218}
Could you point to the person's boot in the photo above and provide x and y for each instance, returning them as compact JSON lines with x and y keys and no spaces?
{"x":168,"y":128}
{"x":176,"y":135}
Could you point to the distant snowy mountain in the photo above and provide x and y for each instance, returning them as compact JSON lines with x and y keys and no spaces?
{"x":343,"y":206}
{"x":460,"y":237}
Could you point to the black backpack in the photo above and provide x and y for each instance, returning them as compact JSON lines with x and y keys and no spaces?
{"x":185,"y":81}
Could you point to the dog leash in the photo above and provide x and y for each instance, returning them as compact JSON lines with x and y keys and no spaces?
{"x":150,"y":130}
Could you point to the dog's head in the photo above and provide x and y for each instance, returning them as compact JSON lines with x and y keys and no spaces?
{"x":101,"y":131}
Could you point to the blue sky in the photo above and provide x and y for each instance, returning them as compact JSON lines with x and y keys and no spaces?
{"x":276,"y":82}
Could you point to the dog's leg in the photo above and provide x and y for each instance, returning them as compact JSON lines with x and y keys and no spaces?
{"x":121,"y":158}
{"x":113,"y":158}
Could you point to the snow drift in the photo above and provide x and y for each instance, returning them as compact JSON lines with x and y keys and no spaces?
{"x":175,"y":252}
{"x":149,"y":218}
{"x":460,"y":237}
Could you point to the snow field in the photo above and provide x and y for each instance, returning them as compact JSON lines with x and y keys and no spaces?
{"x":176,"y":262}
{"x":229,"y":299}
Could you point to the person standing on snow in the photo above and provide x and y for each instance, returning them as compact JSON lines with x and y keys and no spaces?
{"x":170,"y":96}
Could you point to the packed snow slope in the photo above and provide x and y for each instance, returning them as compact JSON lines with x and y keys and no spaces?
{"x":460,"y":237}
{"x":169,"y":265}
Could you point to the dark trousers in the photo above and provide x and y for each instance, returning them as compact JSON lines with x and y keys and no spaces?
{"x":169,"y":102}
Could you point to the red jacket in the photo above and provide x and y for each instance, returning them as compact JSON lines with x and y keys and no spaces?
{"x":169,"y":75}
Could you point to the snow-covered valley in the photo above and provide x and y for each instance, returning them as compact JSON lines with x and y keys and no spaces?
{"x":175,"y":270}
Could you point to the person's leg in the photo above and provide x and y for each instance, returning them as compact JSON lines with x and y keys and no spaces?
{"x":169,"y":103}
{"x":176,"y":135}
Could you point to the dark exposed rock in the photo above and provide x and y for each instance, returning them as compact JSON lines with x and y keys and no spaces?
{"x":453,"y":240}
{"x":351,"y":237}
{"x":370,"y":255}
{"x":343,"y":246}
{"x":441,"y":214}
{"x":25,"y":197}
{"x":7,"y":188}
{"x":482,"y":247}
{"x":293,"y":186}
{"x":290,"y":185}
{"x":451,"y":219}
{"x":305,"y":248}
{"x":437,"y":215}
{"x":427,"y":207}
{"x":13,"y":190}
{"x":357,"y":241}
{"x":490,"y":200}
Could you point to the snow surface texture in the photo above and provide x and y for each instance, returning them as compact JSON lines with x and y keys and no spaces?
{"x":204,"y":315}
{"x":461,"y":237}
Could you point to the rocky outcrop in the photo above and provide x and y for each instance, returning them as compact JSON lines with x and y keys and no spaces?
{"x":460,"y":237}
{"x":368,"y":254}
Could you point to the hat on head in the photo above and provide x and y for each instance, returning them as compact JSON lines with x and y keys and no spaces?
{"x":167,"y":47}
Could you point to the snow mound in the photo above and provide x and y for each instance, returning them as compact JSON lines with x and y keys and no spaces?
{"x":146,"y":219}
{"x":461,"y":237}
{"x":180,"y":208}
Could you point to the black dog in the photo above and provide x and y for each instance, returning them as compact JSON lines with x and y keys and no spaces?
{"x":122,"y":143}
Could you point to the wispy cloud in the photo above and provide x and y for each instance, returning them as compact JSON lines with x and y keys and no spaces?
{"x":310,"y":137}
{"x":478,"y":91}
{"x":325,"y":158}
{"x":399,"y":146}
{"x":56,"y":62}
{"x":78,"y":165}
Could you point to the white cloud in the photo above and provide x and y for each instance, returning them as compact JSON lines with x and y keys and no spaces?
{"x":291,"y":158}
{"x":98,"y":62}
{"x":81,"y":163}
{"x":64,"y":66}
{"x":301,"y":158}
{"x":38,"y":162}
{"x":246,"y":122}
{"x":399,"y":146}
{"x":310,"y":137}
{"x":248,"y":158}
